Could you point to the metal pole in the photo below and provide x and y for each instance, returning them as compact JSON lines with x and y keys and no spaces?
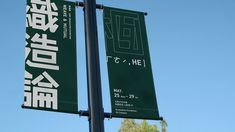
{"x":96,"y":111}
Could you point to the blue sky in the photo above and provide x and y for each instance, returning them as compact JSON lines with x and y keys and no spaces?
{"x":192,"y":46}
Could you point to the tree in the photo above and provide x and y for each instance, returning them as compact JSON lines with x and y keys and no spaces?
{"x":129,"y":125}
{"x":145,"y":127}
{"x":164,"y":125}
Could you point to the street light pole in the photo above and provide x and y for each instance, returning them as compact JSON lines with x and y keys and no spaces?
{"x":96,"y":111}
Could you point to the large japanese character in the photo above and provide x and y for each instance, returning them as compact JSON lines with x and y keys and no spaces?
{"x":47,"y":55}
{"x":43,"y":15}
{"x":45,"y":93}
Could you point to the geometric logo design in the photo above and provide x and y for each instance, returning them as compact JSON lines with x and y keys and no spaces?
{"x":126,"y":32}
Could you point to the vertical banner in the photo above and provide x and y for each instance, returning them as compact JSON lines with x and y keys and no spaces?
{"x":130,"y":75}
{"x":50,"y":59}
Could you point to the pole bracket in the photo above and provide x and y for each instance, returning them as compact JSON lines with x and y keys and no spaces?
{"x":82,"y":4}
{"x":98,"y":6}
{"x":86,"y":113}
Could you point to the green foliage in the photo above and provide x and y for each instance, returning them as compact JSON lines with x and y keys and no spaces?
{"x":164,"y":125}
{"x":129,"y":125}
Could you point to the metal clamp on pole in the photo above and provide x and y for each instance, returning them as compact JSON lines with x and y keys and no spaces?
{"x":98,"y":6}
{"x":81,"y":4}
{"x":86,"y":113}
{"x":161,"y":118}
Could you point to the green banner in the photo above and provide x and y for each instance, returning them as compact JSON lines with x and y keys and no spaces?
{"x":130,"y":75}
{"x":50,"y":59}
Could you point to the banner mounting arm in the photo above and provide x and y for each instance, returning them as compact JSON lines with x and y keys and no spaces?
{"x":98,"y":6}
{"x":81,"y":4}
